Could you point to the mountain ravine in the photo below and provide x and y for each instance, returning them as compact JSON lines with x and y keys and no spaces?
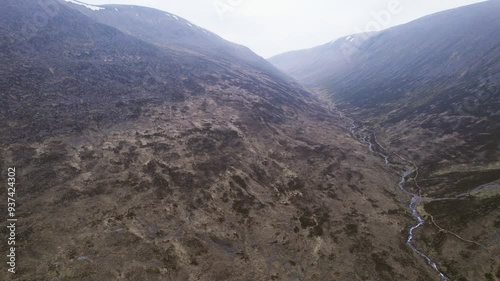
{"x":140,"y":156}
{"x":427,"y":91}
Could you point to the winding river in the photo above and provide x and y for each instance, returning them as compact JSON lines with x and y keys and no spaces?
{"x":420,"y":221}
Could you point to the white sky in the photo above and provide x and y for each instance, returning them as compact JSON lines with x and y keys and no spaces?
{"x":270,"y":27}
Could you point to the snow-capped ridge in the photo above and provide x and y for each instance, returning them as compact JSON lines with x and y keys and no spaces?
{"x":88,"y":6}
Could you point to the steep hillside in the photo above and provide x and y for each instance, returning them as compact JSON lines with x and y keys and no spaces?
{"x":430,"y":91}
{"x":170,"y":31}
{"x":143,"y":160}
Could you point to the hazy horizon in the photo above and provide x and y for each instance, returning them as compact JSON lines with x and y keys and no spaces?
{"x":281,"y":26}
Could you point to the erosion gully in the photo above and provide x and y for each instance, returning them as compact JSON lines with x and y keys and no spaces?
{"x":368,"y":137}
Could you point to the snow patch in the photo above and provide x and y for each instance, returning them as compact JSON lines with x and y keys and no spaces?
{"x":92,"y":7}
{"x":190,"y":25}
{"x":137,"y":14}
{"x":116,"y":9}
{"x":176,"y":18}
{"x":168,"y":15}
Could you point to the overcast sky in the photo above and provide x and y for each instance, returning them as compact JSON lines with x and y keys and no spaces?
{"x":270,"y":27}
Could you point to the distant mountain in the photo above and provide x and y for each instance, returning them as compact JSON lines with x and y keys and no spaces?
{"x":312,"y":66}
{"x":148,"y":148}
{"x":430,"y":90}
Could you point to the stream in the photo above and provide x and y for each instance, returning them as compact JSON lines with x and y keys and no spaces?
{"x":420,"y":221}
{"x":371,"y":141}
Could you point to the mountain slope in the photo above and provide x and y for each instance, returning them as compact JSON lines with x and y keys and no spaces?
{"x":139,"y":160}
{"x":156,"y":74}
{"x":430,"y":91}
{"x":171,"y":31}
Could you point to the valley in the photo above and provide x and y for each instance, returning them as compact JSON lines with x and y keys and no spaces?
{"x":416,"y":97}
{"x":374,"y":147}
{"x":149,"y":148}
{"x":420,"y":204}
